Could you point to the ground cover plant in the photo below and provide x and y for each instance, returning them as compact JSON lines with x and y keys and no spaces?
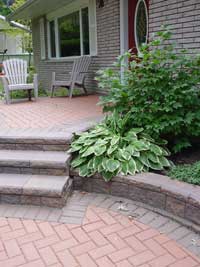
{"x":112,"y":147}
{"x":160,"y":89}
{"x":189,"y":173}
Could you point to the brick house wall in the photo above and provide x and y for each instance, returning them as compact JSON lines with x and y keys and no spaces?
{"x":108,"y":47}
{"x":182,"y":15}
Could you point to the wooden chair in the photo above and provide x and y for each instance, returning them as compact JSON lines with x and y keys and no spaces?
{"x":15,"y":78}
{"x":77,"y":78}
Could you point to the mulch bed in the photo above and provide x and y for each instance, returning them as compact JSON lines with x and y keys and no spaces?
{"x":187,"y":156}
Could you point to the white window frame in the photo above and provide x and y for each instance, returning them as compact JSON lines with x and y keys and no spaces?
{"x":42,"y":40}
{"x":91,"y":5}
{"x":135,"y":21}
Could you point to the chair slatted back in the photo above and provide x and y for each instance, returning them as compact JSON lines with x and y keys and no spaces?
{"x":80,"y":66}
{"x":15,"y":71}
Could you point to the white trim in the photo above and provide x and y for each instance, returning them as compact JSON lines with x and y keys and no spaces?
{"x":81,"y":31}
{"x":136,"y":11}
{"x":42,"y":40}
{"x":124,"y":40}
{"x":124,"y":30}
{"x":70,"y":8}
{"x":57,"y":38}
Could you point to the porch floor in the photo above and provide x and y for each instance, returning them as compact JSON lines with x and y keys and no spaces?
{"x":48,"y":116}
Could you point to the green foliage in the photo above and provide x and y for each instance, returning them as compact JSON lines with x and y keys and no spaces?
{"x":112,"y":148}
{"x":4,"y":10}
{"x":186,"y":173}
{"x":160,"y":89}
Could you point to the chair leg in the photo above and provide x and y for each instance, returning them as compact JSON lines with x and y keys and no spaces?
{"x":29,"y":94}
{"x":85,"y":90}
{"x":71,"y":88}
{"x":52,"y":90}
{"x":7,"y":97}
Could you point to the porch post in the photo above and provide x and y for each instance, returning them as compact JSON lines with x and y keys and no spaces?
{"x":123,"y":29}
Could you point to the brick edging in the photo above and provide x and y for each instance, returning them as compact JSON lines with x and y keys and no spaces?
{"x":177,"y":198}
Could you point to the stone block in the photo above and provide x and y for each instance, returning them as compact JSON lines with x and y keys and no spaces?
{"x":10,"y":199}
{"x":155,"y":199}
{"x":30,"y":200}
{"x":175,"y":206}
{"x":137,"y":194}
{"x":53,"y":202}
{"x":100,"y":186}
{"x":119,"y":189}
{"x":77,"y":182}
{"x":192,"y":213}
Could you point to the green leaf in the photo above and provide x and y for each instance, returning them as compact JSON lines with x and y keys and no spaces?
{"x":132,"y":166}
{"x":88,"y":152}
{"x":155,"y":166}
{"x":99,"y":150}
{"x":154,"y":158}
{"x":115,"y":140}
{"x":84,"y":171}
{"x":125,"y":154}
{"x":111,"y":149}
{"x":144,"y":160}
{"x":124,"y":166}
{"x":156,"y":149}
{"x":112,"y":165}
{"x":139,"y":165}
{"x":164,"y":162}
{"x":77,"y":162}
{"x":107,"y":176}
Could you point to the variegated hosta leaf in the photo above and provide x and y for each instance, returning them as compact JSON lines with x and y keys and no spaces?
{"x":107,"y":151}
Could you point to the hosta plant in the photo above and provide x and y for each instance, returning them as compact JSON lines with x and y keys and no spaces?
{"x":111,"y":149}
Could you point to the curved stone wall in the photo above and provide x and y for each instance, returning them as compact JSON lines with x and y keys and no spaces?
{"x":177,"y":198}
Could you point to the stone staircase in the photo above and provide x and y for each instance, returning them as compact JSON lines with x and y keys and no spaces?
{"x":34,"y":171}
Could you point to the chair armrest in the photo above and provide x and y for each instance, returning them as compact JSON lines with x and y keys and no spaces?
{"x":86,"y":72}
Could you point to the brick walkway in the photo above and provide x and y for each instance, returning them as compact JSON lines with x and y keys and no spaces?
{"x":51,"y":113}
{"x":100,"y":235}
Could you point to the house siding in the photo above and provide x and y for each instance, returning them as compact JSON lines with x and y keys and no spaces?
{"x":108,"y":48}
{"x":182,"y":16}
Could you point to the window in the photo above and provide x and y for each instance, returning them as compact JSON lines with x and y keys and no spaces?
{"x":141,"y":24}
{"x":52,"y":39}
{"x":70,"y":35}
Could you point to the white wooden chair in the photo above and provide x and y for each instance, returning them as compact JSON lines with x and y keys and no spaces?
{"x":77,"y":78}
{"x":15,"y":78}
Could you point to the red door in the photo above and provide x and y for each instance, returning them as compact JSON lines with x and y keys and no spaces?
{"x":132,"y":10}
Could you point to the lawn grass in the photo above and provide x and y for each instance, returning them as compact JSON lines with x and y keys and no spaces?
{"x":41,"y":93}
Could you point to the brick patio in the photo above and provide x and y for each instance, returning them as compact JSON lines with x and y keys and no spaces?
{"x":93,"y":235}
{"x":105,"y":239}
{"x":48,"y":113}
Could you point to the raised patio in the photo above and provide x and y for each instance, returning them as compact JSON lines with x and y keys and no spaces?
{"x":48,"y":116}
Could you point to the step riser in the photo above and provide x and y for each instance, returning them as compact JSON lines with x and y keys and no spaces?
{"x":36,"y":147}
{"x":54,"y":202}
{"x":42,"y":171}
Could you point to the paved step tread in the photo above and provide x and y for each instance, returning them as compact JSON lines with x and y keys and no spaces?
{"x":33,"y":185}
{"x":32,"y":158}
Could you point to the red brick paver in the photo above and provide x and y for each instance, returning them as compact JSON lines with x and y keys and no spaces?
{"x":105,"y":239}
{"x":48,"y":112}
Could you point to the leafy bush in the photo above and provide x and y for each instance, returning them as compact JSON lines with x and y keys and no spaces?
{"x":110,"y":148}
{"x":186,"y":173}
{"x":160,"y":89}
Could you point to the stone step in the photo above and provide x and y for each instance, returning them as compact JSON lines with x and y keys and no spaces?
{"x":34,"y":162}
{"x":34,"y":143}
{"x":46,"y":190}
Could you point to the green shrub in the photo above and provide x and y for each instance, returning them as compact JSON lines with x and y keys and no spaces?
{"x":160,"y":89}
{"x":186,"y":173}
{"x":112,"y":148}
